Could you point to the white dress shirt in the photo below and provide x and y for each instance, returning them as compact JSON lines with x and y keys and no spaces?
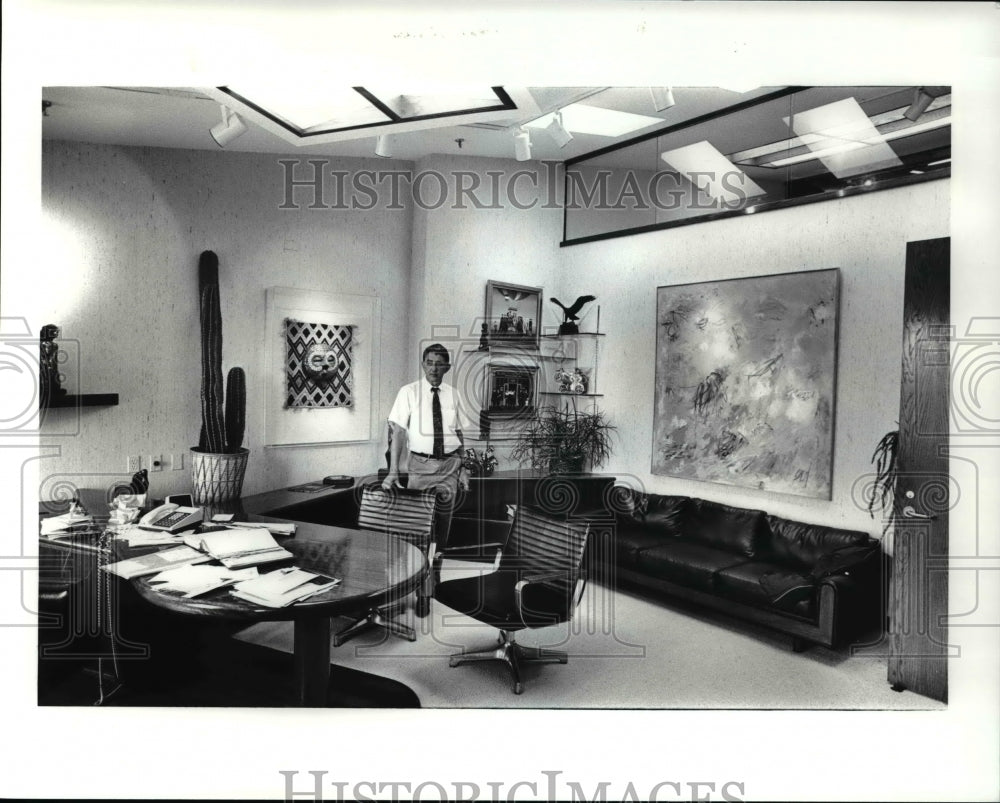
{"x":413,"y":411}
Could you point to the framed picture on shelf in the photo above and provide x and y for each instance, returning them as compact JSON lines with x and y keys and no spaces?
{"x":513,"y":314}
{"x":511,"y":390}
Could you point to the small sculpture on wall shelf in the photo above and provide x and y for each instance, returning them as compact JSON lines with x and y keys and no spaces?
{"x":570,"y":317}
{"x":49,"y":377}
{"x":574,"y":381}
{"x":484,"y":340}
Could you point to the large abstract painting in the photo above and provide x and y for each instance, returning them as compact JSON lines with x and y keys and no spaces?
{"x":746,"y":380}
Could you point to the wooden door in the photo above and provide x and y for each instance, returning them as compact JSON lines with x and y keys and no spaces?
{"x":918,"y":600}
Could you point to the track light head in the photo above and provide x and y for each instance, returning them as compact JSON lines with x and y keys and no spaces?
{"x":662,"y":96}
{"x":558,"y":131}
{"x":229,"y":129}
{"x":383,"y":146}
{"x":522,"y":145}
{"x":923,"y":97}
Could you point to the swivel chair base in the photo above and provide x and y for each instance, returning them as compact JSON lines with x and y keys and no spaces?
{"x":513,"y":655}
{"x":377,"y":617}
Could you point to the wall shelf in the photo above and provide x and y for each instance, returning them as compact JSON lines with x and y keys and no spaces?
{"x":82,"y":400}
{"x":570,"y":393}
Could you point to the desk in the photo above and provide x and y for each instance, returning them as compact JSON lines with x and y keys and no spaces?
{"x":373,"y":568}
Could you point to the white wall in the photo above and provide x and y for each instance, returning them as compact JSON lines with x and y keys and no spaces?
{"x":124,"y":228}
{"x":865,"y":236}
{"x":118,"y":271}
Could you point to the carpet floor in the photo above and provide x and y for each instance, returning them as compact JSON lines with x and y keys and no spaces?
{"x":625,"y":652}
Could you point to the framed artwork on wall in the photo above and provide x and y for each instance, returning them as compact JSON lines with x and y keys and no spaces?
{"x":320,"y":356}
{"x":746,"y":381}
{"x":513,"y":314}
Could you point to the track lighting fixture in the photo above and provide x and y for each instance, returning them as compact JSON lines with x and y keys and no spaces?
{"x":558,"y":131}
{"x":522,"y":145}
{"x":383,"y":147}
{"x":229,"y":129}
{"x":662,"y":96}
{"x":922,"y":98}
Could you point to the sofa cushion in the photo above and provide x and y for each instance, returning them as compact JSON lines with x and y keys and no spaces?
{"x":632,"y":538}
{"x":768,"y":585}
{"x":667,"y":515}
{"x":686,"y":563}
{"x":736,"y":529}
{"x":795,"y":543}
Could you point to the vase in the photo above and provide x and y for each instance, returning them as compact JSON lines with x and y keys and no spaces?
{"x":566,"y":465}
{"x":217,"y":478}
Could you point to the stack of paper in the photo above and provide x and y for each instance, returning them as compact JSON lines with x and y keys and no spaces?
{"x":240,"y":547}
{"x":156,"y":562}
{"x":283,"y":587}
{"x":66,"y":524}
{"x":192,"y":580}
{"x":137,"y":537}
{"x":274,"y":527}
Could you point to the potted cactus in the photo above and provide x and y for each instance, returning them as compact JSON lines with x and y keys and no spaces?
{"x":219,"y":461}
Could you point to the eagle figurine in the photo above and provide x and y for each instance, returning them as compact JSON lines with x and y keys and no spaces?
{"x":568,"y":326}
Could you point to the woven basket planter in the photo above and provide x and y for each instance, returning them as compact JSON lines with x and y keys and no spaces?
{"x":217,"y":478}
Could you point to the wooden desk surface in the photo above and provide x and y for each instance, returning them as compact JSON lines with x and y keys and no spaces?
{"x":373,"y":569}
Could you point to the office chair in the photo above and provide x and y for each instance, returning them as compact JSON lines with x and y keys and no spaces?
{"x":539,"y":582}
{"x":408,"y":515}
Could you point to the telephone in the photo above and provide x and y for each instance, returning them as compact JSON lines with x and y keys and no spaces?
{"x":171,"y":518}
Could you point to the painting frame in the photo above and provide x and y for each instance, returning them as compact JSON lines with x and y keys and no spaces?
{"x":517,"y":324}
{"x":746,"y":381}
{"x":511,"y":390}
{"x":316,"y":426}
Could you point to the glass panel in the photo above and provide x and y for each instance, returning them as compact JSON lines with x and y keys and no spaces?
{"x":811,"y":145}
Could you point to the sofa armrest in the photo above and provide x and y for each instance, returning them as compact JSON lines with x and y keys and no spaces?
{"x":848,"y":604}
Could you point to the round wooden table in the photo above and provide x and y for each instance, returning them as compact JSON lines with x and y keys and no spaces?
{"x":373,"y":568}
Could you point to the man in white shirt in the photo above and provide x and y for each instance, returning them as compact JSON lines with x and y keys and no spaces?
{"x":426,"y":418}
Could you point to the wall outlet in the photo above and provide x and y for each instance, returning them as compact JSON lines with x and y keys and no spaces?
{"x":133,"y":463}
{"x":155,"y":463}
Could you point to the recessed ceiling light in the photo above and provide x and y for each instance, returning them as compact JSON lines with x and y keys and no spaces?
{"x":583,"y":119}
{"x":304,"y":107}
{"x":703,"y":165}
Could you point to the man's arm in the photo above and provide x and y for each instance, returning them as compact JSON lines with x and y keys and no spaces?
{"x":395,"y":455}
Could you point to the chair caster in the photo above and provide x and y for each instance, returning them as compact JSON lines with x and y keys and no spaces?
{"x":422,"y":608}
{"x":518,"y":688}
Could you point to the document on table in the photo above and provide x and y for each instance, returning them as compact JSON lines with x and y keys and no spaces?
{"x":193,"y":580}
{"x":239,"y":547}
{"x":66,"y":524}
{"x":156,"y":562}
{"x":283,"y":587}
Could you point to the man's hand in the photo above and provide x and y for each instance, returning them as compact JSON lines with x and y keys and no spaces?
{"x":391,"y":481}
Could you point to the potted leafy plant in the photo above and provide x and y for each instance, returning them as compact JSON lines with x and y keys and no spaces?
{"x":565,"y":440}
{"x":219,"y":461}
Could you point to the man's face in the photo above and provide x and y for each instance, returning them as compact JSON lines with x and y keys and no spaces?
{"x":435,"y":367}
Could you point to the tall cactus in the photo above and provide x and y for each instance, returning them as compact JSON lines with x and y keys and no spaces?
{"x":220,"y":433}
{"x":236,"y":408}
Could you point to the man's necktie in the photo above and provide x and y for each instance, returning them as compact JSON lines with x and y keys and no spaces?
{"x":438,"y":423}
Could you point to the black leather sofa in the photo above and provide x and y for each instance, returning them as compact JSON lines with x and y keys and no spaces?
{"x":820,"y":585}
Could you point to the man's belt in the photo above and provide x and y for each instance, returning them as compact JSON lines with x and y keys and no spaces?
{"x":432,"y":457}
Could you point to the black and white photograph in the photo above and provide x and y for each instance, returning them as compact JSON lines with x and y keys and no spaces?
{"x":697,"y":505}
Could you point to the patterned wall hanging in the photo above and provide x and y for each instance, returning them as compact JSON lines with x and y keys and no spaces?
{"x":318,"y":364}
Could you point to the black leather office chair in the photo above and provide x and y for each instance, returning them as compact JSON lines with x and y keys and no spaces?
{"x":408,"y":515}
{"x":539,"y":582}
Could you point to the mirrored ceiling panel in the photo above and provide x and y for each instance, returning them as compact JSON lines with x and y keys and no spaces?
{"x":793,"y":145}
